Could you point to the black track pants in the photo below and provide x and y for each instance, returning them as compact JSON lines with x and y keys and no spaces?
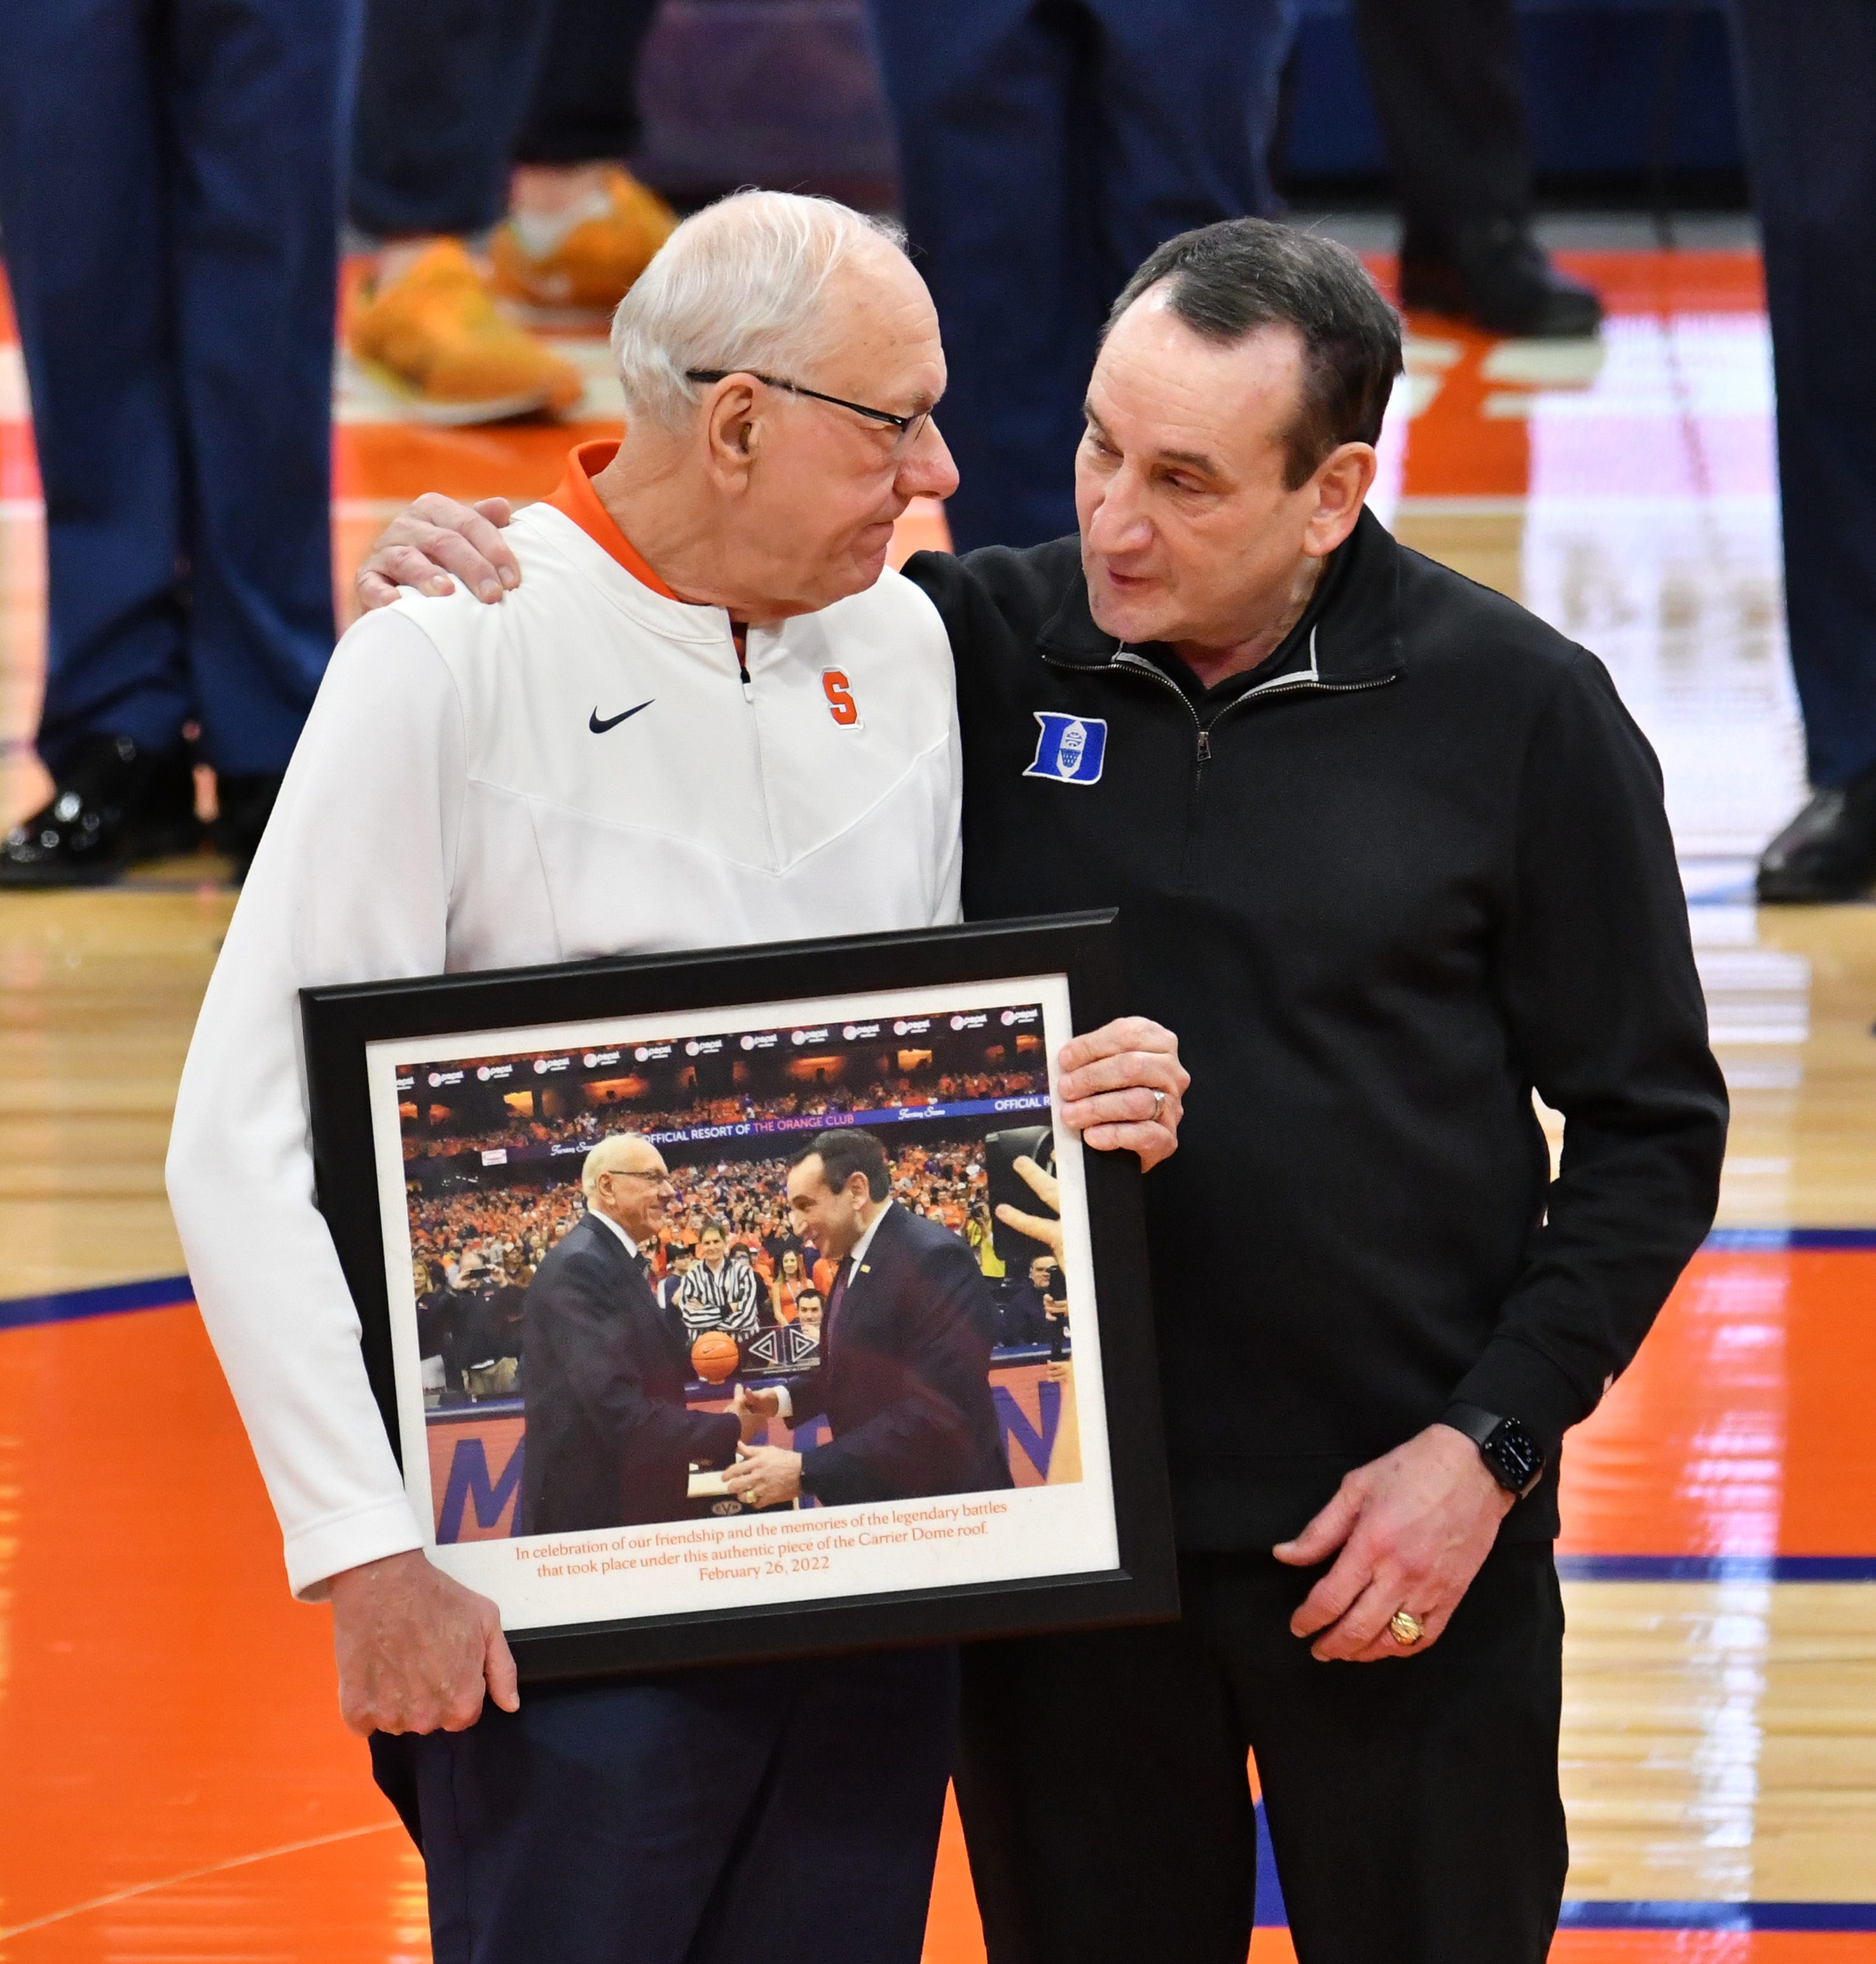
{"x":1413,"y":1806}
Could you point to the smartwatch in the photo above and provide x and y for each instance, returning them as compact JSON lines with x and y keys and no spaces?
{"x":1511,"y":1455}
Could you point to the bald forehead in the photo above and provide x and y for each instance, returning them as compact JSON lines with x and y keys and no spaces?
{"x":882,"y":332}
{"x":1275,"y":348}
{"x":875,"y":269}
{"x":807,"y":1175}
{"x":628,"y":1153}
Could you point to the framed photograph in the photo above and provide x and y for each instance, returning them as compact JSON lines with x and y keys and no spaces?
{"x":632,"y":1240}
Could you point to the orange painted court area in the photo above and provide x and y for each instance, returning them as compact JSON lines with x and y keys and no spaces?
{"x":1743,"y":1426}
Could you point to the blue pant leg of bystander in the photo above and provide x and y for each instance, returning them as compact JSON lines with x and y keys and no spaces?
{"x":167,"y":196}
{"x":1042,"y":153}
{"x":261,"y":91}
{"x":444,"y":91}
{"x":83,"y":167}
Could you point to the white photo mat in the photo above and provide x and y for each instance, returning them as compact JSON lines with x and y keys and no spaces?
{"x":768,"y":1559}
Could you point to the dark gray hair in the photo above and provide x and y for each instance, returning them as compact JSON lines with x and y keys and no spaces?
{"x":1227,"y":281}
{"x":845,"y":1152}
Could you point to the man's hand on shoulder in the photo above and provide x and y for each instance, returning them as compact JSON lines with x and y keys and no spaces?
{"x":432,"y":539}
{"x":416,"y":1649}
{"x":1122,"y":1087}
{"x":1414,"y":1528}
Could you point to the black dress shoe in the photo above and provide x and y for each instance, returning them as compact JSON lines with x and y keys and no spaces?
{"x":1498,"y":276}
{"x":244,"y":805}
{"x":115,"y":803}
{"x":1828,"y":852}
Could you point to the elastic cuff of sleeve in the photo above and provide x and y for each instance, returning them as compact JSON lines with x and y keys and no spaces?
{"x":314,"y":1558}
{"x":1516,"y":1381}
{"x":818,"y":1466}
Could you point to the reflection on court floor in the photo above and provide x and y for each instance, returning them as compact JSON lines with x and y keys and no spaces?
{"x":177,"y":1784}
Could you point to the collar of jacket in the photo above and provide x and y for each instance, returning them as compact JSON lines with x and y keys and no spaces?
{"x":886,"y":1230}
{"x":1351,"y":640}
{"x":617,"y":1252}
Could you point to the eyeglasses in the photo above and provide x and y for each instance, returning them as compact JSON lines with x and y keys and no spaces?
{"x":909,"y":427}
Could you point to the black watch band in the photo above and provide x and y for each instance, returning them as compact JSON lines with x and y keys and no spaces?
{"x":1511,"y":1456}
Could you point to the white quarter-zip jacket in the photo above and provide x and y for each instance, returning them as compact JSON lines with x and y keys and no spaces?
{"x":581,"y":770}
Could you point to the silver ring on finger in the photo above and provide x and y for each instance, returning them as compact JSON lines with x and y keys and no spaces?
{"x":1159,"y":1105}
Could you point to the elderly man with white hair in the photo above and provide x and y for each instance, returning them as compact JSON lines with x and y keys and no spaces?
{"x":610,"y":1440}
{"x":1390,"y":855}
{"x":708,"y":716}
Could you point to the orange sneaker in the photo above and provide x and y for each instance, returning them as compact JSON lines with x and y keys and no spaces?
{"x":433,"y":338}
{"x":583,"y":275}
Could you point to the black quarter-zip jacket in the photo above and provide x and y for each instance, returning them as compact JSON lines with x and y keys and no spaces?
{"x":1416,"y":867}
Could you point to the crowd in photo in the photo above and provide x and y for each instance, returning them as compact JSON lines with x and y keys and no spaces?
{"x":728,"y":1258}
{"x":589,"y":1126}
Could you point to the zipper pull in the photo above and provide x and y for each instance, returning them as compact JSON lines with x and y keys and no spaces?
{"x":1204,"y":746}
{"x":749,"y":694}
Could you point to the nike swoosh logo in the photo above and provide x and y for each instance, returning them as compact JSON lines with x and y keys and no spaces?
{"x":599,"y":728}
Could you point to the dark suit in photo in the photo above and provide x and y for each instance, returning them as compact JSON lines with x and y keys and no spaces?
{"x":905,"y":1380}
{"x":609,"y":1438}
{"x":676,"y":1814}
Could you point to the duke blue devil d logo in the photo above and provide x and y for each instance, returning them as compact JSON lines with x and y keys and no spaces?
{"x":1070,"y":749}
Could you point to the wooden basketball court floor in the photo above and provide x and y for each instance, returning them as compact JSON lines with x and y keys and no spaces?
{"x":175,"y":1783}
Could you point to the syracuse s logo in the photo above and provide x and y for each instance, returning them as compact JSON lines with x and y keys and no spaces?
{"x":1071,"y":749}
{"x":839,"y":693}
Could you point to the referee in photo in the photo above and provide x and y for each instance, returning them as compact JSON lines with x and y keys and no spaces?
{"x":1389,"y":855}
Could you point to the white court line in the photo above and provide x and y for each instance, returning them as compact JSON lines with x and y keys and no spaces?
{"x":196,"y":1875}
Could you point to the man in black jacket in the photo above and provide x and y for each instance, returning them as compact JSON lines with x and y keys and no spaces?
{"x":904,"y":1380}
{"x":609,"y":1439}
{"x":1390,"y":855}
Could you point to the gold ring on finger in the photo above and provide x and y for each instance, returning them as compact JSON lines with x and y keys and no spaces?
{"x":1405,"y":1627}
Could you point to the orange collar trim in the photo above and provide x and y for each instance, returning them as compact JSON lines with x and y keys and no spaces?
{"x":575,"y":496}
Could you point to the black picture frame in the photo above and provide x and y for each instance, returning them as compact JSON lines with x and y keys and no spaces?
{"x":340,"y":1021}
